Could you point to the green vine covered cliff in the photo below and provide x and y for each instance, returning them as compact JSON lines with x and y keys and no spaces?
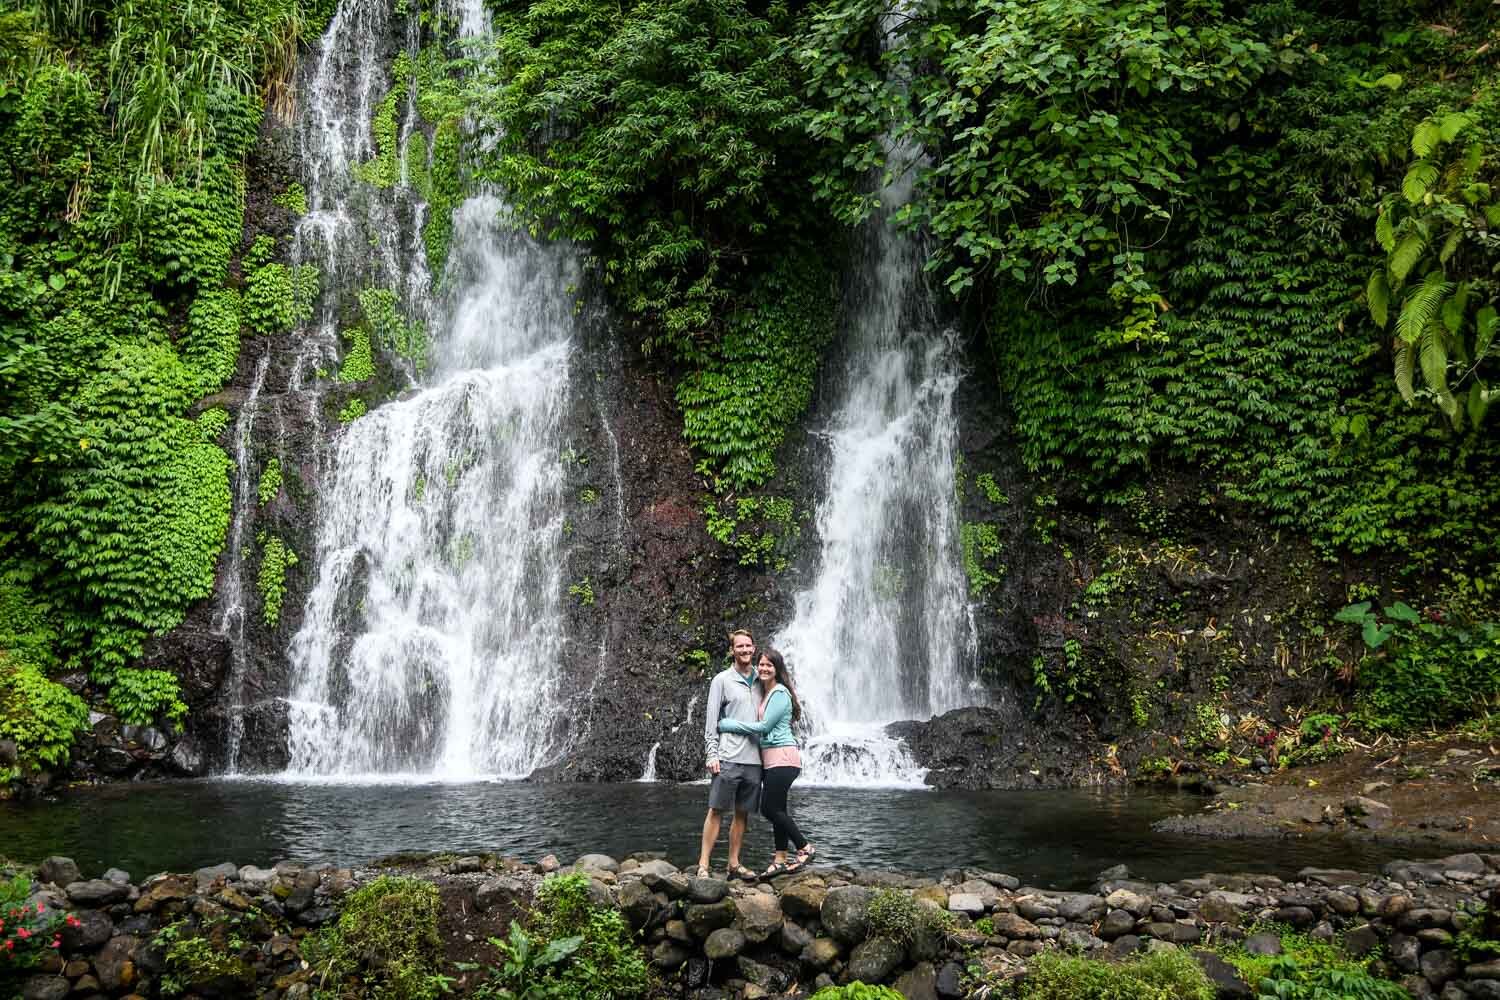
{"x":1257,"y":241}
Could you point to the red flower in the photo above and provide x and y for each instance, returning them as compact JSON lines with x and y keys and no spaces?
{"x":57,"y":942}
{"x":22,"y":933}
{"x":10,"y":945}
{"x":39,"y":906}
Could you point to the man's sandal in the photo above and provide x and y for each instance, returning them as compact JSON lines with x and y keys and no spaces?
{"x":702,"y":872}
{"x":741,"y":872}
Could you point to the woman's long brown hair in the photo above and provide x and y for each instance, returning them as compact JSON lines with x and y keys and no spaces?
{"x":783,"y":678}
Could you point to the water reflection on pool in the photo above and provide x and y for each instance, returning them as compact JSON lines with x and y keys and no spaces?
{"x":1056,"y":838}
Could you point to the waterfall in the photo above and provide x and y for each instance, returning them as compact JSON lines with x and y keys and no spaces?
{"x":648,"y":773}
{"x":432,"y":636}
{"x":885,"y":631}
{"x":231,"y":608}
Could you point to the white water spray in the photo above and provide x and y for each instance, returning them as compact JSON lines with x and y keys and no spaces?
{"x":885,"y":632}
{"x":432,"y":637}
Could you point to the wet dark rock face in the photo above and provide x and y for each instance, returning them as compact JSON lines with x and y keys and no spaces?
{"x":662,"y":587}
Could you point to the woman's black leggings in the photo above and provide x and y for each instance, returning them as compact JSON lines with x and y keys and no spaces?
{"x":773,"y":806}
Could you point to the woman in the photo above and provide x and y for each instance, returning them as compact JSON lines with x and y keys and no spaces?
{"x":780,"y":759}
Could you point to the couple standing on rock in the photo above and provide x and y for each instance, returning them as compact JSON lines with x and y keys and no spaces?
{"x":752,"y":755}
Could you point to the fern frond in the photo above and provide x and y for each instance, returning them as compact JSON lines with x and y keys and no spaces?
{"x":1405,"y":256}
{"x":1473,"y":157}
{"x":1421,"y":307}
{"x":1451,"y":125}
{"x":1450,"y":246}
{"x":1385,"y":231}
{"x":1378,"y":293}
{"x":1425,"y":138}
{"x":1454,"y":308}
{"x":1403,"y":370}
{"x":1434,"y":360}
{"x":1419,"y":177}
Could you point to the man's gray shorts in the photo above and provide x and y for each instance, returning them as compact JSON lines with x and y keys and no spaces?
{"x":736,"y":787}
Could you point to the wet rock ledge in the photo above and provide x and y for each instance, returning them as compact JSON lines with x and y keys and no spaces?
{"x":712,"y":939}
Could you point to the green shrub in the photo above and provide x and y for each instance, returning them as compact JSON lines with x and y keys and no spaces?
{"x":139,"y":696}
{"x":385,"y":945}
{"x":899,"y":916}
{"x":747,"y":389}
{"x":27,"y":932}
{"x":1288,"y":979}
{"x":1308,"y":970}
{"x":40,"y":715}
{"x":570,"y":949}
{"x":857,"y":991}
{"x":275,"y":561}
{"x":270,"y":481}
{"x":1418,"y":673}
{"x":1161,"y":975}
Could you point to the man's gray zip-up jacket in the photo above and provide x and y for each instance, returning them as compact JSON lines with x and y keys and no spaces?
{"x":735,"y":696}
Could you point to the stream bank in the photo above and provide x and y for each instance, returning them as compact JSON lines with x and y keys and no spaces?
{"x":714,"y":939}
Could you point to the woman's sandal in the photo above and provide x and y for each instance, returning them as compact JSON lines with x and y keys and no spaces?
{"x":701,"y":872}
{"x":777,"y":868}
{"x":741,"y":872}
{"x":805,"y":856}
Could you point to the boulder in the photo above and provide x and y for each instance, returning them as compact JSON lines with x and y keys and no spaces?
{"x":1116,"y":923}
{"x":93,"y":929}
{"x":114,"y":965}
{"x":597,"y":862}
{"x":58,"y":870}
{"x":669,"y":955}
{"x":918,"y":983}
{"x":703,"y":919}
{"x":638,"y":904}
{"x":965,"y":902}
{"x":1438,"y":966}
{"x":1081,"y":907}
{"x":707,"y":890}
{"x":759,"y":916}
{"x":96,"y":892}
{"x":822,"y":953}
{"x":950,"y":981}
{"x":794,"y":938}
{"x":1223,"y":907}
{"x":769,"y":978}
{"x":44,"y":988}
{"x":188,"y":759}
{"x":1015,"y":927}
{"x":804,"y":900}
{"x":1226,"y":979}
{"x":257,"y":878}
{"x":874,"y":959}
{"x":846,"y":913}
{"x":978,"y":887}
{"x":726,"y":942}
{"x":206,"y":877}
{"x":1131,"y":902}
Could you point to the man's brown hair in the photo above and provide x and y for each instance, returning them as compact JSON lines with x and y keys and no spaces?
{"x":740,"y":631}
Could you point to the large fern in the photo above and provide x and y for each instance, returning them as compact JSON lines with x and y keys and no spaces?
{"x":1421,"y":306}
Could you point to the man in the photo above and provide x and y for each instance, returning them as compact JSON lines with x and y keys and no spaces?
{"x":733,"y":759}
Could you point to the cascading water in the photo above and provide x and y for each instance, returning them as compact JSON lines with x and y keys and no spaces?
{"x":885,"y":631}
{"x":432,"y":636}
{"x":231,"y":609}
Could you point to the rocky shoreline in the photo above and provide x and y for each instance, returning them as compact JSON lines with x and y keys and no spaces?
{"x":715,"y":939}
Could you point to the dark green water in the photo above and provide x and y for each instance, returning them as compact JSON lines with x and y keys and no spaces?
{"x":1052,"y":838}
